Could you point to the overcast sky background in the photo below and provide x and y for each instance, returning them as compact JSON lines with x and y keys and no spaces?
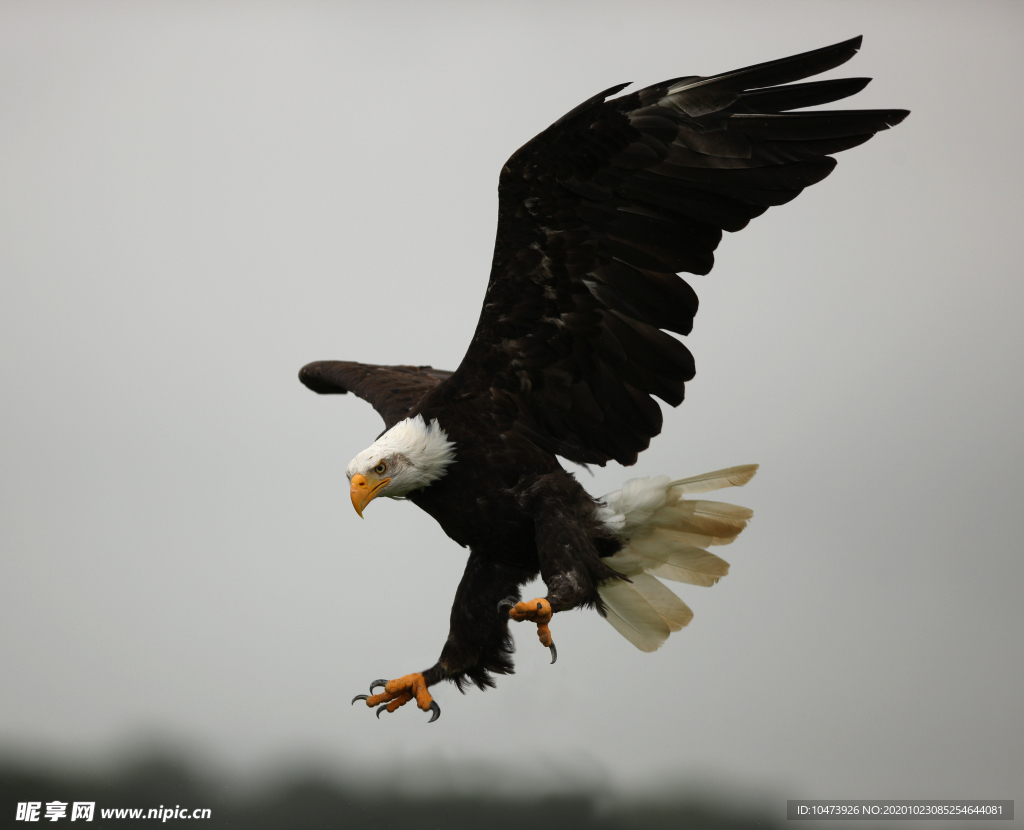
{"x":199,"y":198}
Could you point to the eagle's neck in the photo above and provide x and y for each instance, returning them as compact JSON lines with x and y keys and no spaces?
{"x":425,"y":447}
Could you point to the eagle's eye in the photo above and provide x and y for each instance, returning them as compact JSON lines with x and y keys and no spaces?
{"x":381,"y":468}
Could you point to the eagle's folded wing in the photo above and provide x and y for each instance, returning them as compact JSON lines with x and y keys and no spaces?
{"x":391,"y":390}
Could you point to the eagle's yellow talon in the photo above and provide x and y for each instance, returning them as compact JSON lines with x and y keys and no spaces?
{"x":535,"y":610}
{"x":544,"y":634}
{"x":400,"y":691}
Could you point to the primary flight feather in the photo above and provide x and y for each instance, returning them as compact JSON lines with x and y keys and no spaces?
{"x":596,"y":217}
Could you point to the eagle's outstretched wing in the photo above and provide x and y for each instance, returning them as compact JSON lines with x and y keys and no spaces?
{"x":599,"y":212}
{"x":391,"y":390}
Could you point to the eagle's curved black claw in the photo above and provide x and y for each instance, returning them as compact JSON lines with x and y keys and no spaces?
{"x":506,"y":605}
{"x":377,"y":683}
{"x":360,"y":697}
{"x":380,"y":709}
{"x":554,"y":653}
{"x":435,"y":711}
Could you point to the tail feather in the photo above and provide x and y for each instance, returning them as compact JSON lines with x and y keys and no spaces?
{"x":694,"y":566}
{"x":709,"y":518}
{"x":666,"y":537}
{"x":729,"y":477}
{"x":644,"y":611}
{"x":651,"y":540}
{"x":670,"y":556}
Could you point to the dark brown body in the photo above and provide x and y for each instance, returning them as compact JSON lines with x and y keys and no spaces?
{"x":520,"y":514}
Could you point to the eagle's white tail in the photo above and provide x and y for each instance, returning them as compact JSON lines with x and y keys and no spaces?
{"x":666,"y":536}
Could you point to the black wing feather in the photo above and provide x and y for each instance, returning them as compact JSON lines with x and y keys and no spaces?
{"x":392,"y":390}
{"x":599,"y":212}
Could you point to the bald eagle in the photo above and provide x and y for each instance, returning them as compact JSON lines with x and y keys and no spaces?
{"x":596,"y":216}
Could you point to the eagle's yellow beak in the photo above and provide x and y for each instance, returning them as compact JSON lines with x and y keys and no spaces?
{"x":363,"y":492}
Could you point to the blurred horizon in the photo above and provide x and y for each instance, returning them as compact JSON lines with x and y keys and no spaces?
{"x":305,"y":792}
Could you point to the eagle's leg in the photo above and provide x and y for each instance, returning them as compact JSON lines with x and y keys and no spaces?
{"x":478,"y":642}
{"x":566,"y":528}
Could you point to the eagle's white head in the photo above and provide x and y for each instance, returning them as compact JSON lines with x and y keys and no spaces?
{"x":407,"y":457}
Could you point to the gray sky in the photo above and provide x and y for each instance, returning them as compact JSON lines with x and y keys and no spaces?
{"x":198,"y":199}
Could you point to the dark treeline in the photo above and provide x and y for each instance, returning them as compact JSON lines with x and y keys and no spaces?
{"x":310,"y":800}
